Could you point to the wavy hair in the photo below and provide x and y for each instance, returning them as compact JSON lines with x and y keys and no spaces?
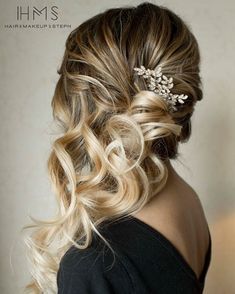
{"x":116,"y":136}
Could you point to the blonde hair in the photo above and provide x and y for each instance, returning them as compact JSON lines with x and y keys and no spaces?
{"x":116,"y":136}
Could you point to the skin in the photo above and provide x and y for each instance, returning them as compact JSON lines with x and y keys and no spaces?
{"x":178,"y":214}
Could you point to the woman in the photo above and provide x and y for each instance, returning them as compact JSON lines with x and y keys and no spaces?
{"x":127,"y":221}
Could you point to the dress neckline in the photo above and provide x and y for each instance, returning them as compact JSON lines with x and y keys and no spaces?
{"x":168,"y":244}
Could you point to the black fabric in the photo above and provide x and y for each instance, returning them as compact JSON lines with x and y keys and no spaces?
{"x":145,"y":262}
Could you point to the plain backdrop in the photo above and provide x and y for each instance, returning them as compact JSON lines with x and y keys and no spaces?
{"x":29,"y":59}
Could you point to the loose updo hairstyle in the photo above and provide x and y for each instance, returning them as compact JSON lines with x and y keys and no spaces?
{"x":116,"y":135}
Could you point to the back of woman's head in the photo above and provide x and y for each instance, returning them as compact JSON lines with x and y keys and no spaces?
{"x":117,"y":134}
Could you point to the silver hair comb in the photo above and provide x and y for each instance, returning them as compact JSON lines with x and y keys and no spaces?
{"x":160,"y":84}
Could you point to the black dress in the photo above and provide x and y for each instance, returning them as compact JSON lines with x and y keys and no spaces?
{"x":146,"y":262}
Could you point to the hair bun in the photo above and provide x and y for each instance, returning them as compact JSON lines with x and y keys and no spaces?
{"x":151,"y":112}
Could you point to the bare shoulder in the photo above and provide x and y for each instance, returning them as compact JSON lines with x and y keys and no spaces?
{"x":190,"y":207}
{"x":191,"y":202}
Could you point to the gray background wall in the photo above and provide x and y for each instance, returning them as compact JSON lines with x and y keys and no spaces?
{"x":29,"y":59}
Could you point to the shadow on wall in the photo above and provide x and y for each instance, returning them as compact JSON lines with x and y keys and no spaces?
{"x":220,"y":278}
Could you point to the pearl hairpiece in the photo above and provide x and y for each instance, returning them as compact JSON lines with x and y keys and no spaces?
{"x":160,"y":84}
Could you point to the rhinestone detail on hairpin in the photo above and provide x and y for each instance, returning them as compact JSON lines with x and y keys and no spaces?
{"x":160,"y":84}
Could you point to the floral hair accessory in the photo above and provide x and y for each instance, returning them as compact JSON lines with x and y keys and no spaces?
{"x":160,"y":84}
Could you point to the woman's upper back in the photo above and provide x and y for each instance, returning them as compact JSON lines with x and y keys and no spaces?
{"x":181,"y":221}
{"x":146,"y":261}
{"x":177,"y":213}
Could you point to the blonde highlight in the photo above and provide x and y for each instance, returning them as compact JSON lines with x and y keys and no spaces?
{"x":116,"y":136}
